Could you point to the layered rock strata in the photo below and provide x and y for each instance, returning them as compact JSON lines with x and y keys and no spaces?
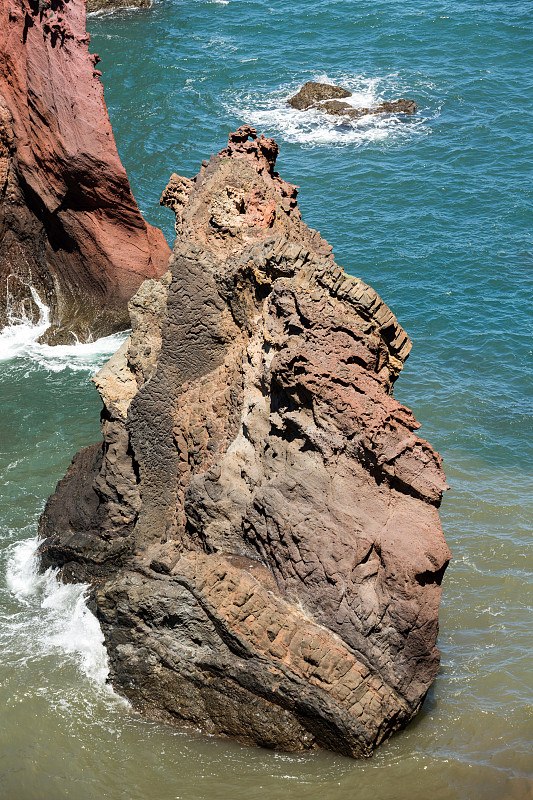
{"x":69,"y":225}
{"x":260,"y":523}
{"x":332,"y":100}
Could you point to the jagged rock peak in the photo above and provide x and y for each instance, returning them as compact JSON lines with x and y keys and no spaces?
{"x":238,"y":200}
{"x":253,"y":201}
{"x":261,"y":520}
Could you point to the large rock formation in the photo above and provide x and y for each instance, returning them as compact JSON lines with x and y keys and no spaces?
{"x":69,"y":225}
{"x":331,"y":99}
{"x":260,"y":523}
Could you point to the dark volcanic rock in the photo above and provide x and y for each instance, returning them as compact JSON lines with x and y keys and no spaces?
{"x":400,"y":106}
{"x":112,"y":5}
{"x":323,"y":97}
{"x":340,"y":109}
{"x":69,"y":225}
{"x":312,"y":93}
{"x":261,"y":521}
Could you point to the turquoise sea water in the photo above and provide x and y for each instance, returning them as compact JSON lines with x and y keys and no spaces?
{"x":435,"y":213}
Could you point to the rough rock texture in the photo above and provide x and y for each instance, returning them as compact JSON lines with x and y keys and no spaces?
{"x":312,"y":93}
{"x":325,"y":97}
{"x":260,"y":522}
{"x":69,"y":225}
{"x":112,"y":5}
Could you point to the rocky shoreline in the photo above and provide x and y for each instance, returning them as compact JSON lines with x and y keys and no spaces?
{"x":260,"y":523}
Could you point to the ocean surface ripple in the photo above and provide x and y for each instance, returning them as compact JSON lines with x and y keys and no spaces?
{"x":435,"y":213}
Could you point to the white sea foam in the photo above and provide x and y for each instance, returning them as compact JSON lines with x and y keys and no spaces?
{"x":107,"y":12}
{"x":20,"y":339}
{"x":22,"y":329}
{"x":271,"y":114}
{"x":80,"y":356}
{"x":57,"y":617}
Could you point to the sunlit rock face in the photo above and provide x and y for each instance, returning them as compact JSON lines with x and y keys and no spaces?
{"x":261,"y":520}
{"x":69,"y":225}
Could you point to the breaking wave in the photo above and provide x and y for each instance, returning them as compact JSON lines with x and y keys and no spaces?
{"x":53,"y":617}
{"x":20,"y":340}
{"x":270,"y":112}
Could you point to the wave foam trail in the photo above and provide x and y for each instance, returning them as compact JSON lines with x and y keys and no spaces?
{"x":79,"y":356}
{"x":20,"y":339}
{"x":57,"y":618}
{"x":271,"y":113}
{"x":22,"y":330}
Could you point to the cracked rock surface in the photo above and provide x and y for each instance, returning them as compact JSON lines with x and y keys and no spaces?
{"x":260,"y":523}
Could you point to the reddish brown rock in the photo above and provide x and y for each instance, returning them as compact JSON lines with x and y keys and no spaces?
{"x":261,"y":520}
{"x":69,"y":225}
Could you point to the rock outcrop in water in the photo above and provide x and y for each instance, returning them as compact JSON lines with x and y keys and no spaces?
{"x":329,"y":98}
{"x":69,"y":225}
{"x":113,"y":5}
{"x":261,"y":520}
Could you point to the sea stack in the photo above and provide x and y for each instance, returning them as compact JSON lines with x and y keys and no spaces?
{"x":69,"y":225}
{"x":260,"y":523}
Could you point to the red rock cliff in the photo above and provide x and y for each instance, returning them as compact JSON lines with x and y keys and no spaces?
{"x":69,"y":224}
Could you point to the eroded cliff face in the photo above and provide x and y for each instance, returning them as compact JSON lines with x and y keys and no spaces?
{"x":261,"y":520}
{"x":69,"y":225}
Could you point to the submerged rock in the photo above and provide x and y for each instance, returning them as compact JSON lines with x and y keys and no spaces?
{"x":261,"y":520}
{"x":69,"y":225}
{"x":324,"y":97}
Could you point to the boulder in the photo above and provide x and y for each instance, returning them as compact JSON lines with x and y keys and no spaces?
{"x":113,"y":5}
{"x":312,"y":93}
{"x":260,"y":523}
{"x":345,"y":110}
{"x":70,"y":228}
{"x":323,"y":97}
